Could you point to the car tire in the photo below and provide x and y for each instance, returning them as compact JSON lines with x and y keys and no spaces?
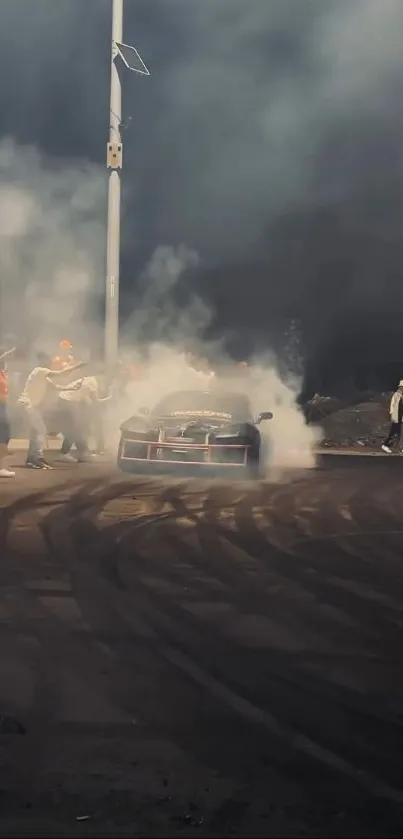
{"x":253,"y":467}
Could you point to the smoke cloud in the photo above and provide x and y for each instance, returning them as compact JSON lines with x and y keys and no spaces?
{"x":288,"y":442}
{"x":254,"y":97}
{"x":243,"y":103}
{"x":169,"y":343}
{"x":52,"y":269}
{"x":51,"y":245}
{"x":268,"y":138}
{"x":161,"y":312}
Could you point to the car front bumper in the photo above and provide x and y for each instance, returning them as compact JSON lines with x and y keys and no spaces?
{"x":145,"y":455}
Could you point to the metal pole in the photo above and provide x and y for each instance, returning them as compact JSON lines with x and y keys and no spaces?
{"x":114,"y":163}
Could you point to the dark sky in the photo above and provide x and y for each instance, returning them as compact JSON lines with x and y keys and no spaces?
{"x":269,"y":139}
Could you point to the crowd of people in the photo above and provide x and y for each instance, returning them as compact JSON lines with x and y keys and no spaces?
{"x":50,"y":401}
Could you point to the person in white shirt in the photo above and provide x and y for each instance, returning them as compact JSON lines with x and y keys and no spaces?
{"x":39,"y":383}
{"x":82,"y":412}
{"x":396,"y":418}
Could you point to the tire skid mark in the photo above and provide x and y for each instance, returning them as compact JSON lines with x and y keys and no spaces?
{"x":306,"y":583}
{"x":67,"y":540}
{"x":168,"y":627}
{"x":303,"y":581}
{"x":147,"y":608}
{"x":88,"y":585}
{"x":75,"y":531}
{"x":250,"y":591}
{"x":151,"y":611}
{"x":372,"y":623}
{"x":369,"y":591}
{"x":288,"y":507}
{"x":8,"y":512}
{"x":375,"y":492}
{"x":51,"y":636}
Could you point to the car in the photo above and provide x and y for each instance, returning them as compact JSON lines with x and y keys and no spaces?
{"x":194,"y":431}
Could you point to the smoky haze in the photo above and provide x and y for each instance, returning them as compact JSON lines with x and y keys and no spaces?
{"x":51,"y":247}
{"x":268,"y":140}
{"x":51,"y":259}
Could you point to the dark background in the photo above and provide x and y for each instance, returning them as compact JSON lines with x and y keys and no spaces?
{"x":269,"y":138}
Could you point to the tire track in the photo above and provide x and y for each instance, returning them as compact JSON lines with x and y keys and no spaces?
{"x":297,"y":740}
{"x":196,"y":678}
{"x":314,"y":700}
{"x":51,"y":634}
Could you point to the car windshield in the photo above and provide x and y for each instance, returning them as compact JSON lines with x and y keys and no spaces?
{"x":227,"y":406}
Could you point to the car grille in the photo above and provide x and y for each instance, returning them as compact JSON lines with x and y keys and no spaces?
{"x":175,"y":435}
{"x":176,"y":445}
{"x":176,"y":451}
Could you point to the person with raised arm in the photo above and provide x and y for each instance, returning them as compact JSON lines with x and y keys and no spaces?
{"x":41,"y":380}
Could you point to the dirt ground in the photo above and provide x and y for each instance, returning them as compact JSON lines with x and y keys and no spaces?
{"x":191,"y":658}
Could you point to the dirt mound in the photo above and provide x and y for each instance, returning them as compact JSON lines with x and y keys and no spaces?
{"x":364,"y":424}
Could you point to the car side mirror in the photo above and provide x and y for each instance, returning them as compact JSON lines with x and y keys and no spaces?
{"x":264,"y":415}
{"x":144,"y":411}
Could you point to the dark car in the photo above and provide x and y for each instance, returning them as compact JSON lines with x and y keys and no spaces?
{"x":195,"y":431}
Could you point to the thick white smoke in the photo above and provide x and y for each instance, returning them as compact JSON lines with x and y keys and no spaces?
{"x":245,"y":99}
{"x":255,"y":112}
{"x":52,"y":272}
{"x":157,"y":315}
{"x":51,"y":245}
{"x":165,"y":364}
{"x":291,"y":442}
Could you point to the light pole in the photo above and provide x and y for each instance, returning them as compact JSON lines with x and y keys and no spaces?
{"x":123,"y":57}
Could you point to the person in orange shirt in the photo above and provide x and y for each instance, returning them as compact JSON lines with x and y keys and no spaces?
{"x":64,"y":358}
{"x":4,"y":421}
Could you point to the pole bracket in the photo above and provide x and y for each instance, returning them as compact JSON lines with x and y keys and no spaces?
{"x":114,"y":156}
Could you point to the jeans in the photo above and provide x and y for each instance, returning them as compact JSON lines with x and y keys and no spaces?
{"x":73,"y":429}
{"x":395,"y":433}
{"x":37,"y":433}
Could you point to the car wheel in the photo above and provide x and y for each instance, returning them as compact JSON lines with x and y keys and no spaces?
{"x":254,"y":464}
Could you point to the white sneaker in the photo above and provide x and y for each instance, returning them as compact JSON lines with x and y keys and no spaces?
{"x":69,"y":457}
{"x":386,"y":449}
{"x":5,"y":473}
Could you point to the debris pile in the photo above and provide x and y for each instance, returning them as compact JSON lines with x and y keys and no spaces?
{"x":365,"y":424}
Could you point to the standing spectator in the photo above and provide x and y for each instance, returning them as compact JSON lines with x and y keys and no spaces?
{"x":40,"y":381}
{"x":4,"y":421}
{"x":81,"y":415}
{"x":396,"y":418}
